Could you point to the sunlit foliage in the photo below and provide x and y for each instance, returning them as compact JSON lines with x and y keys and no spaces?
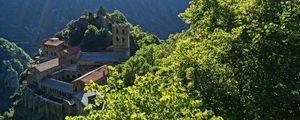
{"x":239,"y":59}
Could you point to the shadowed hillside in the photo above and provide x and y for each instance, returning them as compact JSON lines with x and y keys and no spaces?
{"x":27,"y":22}
{"x":13,"y":62}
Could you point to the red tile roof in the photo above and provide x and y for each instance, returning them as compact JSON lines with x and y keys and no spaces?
{"x":94,"y":75}
{"x":72,"y":50}
{"x":50,"y":64}
{"x":47,"y":65}
{"x":52,"y":42}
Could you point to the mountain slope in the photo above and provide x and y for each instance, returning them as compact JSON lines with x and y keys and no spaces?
{"x":27,"y":22}
{"x":13,"y":61}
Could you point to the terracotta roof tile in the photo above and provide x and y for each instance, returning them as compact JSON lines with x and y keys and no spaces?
{"x":94,"y":75}
{"x":52,"y":42}
{"x":47,"y":65}
{"x":72,"y":50}
{"x":51,"y":64}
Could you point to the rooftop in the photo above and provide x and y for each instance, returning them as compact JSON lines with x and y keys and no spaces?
{"x":47,"y":65}
{"x":83,"y":96}
{"x":50,"y":64}
{"x":71,"y":51}
{"x":94,"y":75}
{"x":52,"y":42}
{"x":58,"y":85}
{"x":103,"y":56}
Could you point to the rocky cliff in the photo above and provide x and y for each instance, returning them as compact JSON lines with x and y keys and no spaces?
{"x":13,"y":61}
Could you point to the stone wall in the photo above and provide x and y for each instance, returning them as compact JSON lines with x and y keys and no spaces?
{"x":45,"y":108}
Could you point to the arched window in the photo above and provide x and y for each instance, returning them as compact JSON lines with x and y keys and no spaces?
{"x":117,"y":31}
{"x":73,"y":76}
{"x":123,"y":31}
{"x":68,"y":76}
{"x":123,"y":39}
{"x":117,"y":39}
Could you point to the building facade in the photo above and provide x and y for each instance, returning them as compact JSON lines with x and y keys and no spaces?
{"x":57,"y":81}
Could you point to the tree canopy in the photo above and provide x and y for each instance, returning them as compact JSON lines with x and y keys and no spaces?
{"x":92,"y":32}
{"x":239,"y":59}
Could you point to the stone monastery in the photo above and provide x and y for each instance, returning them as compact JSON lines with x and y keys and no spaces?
{"x":55,"y":87}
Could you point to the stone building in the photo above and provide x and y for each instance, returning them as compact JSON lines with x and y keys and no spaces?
{"x":57,"y":81}
{"x":42,"y":70}
{"x":98,"y":76}
{"x":120,"y":37}
{"x":88,"y":61}
{"x":52,"y":46}
{"x":70,"y":54}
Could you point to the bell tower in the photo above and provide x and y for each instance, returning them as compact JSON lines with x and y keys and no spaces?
{"x":120,"y":37}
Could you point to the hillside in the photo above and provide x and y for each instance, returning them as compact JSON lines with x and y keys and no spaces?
{"x":92,"y":31}
{"x":238,"y":60}
{"x":13,"y":61}
{"x":27,"y":22}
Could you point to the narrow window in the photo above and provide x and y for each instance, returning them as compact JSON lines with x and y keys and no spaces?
{"x":123,"y":31}
{"x":117,"y":31}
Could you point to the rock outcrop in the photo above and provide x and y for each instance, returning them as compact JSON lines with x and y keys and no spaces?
{"x":13,"y":61}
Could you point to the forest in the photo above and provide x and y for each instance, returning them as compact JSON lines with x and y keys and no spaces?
{"x":238,"y":60}
{"x":28,"y":22}
{"x":13,"y":61}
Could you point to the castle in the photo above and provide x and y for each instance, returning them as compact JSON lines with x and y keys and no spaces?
{"x":55,"y":86}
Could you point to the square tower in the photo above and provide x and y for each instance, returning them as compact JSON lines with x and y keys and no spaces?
{"x":120,"y":37}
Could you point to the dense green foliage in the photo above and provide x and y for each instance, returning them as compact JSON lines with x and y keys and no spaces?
{"x":13,"y":61}
{"x":239,"y":59}
{"x":92,"y":32}
{"x":96,"y":39}
{"x":152,"y":97}
{"x":28,"y":22}
{"x":7,"y":115}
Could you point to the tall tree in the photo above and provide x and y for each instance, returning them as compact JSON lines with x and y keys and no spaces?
{"x":96,"y":39}
{"x":101,"y":11}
